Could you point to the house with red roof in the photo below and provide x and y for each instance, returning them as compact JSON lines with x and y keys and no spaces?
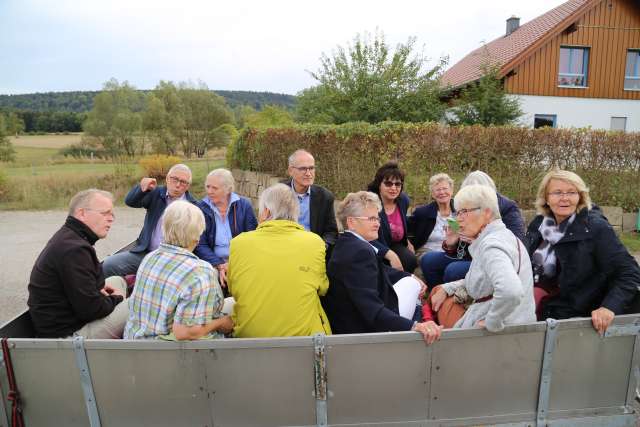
{"x":577,"y":65}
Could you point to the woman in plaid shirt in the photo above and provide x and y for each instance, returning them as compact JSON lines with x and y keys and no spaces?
{"x":177,"y":295}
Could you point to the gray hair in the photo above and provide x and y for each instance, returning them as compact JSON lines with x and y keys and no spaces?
{"x":479,"y":178}
{"x":281,"y":202}
{"x":182,"y":224}
{"x":83,"y":199}
{"x":437,"y":178}
{"x":478,"y":196}
{"x":225,"y":176}
{"x":355,"y":204}
{"x":180,"y":167}
{"x":292,"y":157}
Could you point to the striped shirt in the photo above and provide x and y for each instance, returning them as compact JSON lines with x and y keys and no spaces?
{"x":172,"y":285}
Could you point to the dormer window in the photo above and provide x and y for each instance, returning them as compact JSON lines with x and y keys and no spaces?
{"x":574,"y":62}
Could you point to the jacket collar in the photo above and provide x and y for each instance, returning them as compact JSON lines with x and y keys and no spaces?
{"x":492,"y":227}
{"x":279,"y":225}
{"x":81,"y":229}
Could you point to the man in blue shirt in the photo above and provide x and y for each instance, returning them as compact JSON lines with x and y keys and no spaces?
{"x":316,"y":202}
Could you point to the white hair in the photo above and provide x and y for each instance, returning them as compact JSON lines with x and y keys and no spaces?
{"x":281,"y":202}
{"x":182,"y":224}
{"x":295,"y":154}
{"x":225,"y":176}
{"x":355,"y":204}
{"x":180,"y":167}
{"x":478,"y":196}
{"x":83,"y":199}
{"x":479,"y":178}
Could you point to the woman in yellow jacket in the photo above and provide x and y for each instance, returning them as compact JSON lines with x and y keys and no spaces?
{"x":277,"y":273}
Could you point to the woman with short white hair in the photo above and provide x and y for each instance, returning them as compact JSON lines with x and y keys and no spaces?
{"x":177,"y":295}
{"x":365,"y":294}
{"x":498,"y":287}
{"x":226,"y":215}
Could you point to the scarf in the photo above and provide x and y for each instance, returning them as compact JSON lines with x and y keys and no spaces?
{"x":543,"y":259}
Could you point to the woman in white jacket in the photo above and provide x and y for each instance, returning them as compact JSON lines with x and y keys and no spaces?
{"x":500,"y":279}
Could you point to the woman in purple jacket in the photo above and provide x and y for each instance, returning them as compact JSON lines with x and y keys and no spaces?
{"x":226,"y":215}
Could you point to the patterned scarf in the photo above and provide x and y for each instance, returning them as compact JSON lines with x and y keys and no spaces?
{"x":544,"y":258}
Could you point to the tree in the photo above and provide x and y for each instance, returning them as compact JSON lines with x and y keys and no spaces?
{"x":203,"y":112}
{"x":7,"y":152}
{"x":270,"y":115}
{"x":14,"y":124}
{"x":485,"y":102}
{"x":115,"y":118}
{"x":368,"y":82}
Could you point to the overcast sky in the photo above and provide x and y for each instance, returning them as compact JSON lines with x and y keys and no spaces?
{"x":64,"y":45}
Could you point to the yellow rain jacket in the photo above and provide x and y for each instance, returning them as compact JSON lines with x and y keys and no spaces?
{"x":276,"y":275}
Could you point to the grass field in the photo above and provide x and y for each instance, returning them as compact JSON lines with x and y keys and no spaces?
{"x":41,"y":178}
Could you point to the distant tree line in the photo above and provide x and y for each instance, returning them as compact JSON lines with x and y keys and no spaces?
{"x":82,"y":101}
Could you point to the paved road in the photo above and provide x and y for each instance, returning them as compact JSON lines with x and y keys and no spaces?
{"x":25,"y":233}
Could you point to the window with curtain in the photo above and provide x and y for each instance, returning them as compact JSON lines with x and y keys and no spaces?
{"x":632,"y":70}
{"x":574,"y":63}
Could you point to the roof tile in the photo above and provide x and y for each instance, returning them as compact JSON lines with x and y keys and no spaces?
{"x":505,"y":48}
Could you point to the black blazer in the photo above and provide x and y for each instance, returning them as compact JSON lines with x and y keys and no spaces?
{"x":384,"y":232}
{"x":322,"y":217}
{"x":422,"y":222}
{"x":361,"y":298}
{"x":595,"y":269}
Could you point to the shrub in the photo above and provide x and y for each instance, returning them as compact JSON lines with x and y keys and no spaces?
{"x":157,"y":166}
{"x":4,"y":185}
{"x":81,"y":151}
{"x":347,"y":156}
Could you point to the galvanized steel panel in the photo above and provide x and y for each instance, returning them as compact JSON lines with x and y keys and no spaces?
{"x":49,"y":385}
{"x":377,"y":383}
{"x":261,"y":386}
{"x":486,"y":375}
{"x":150,"y":388}
{"x":589,"y":371}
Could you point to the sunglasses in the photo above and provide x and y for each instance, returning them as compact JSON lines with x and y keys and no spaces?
{"x":390,"y":184}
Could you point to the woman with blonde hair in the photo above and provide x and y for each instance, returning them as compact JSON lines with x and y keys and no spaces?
{"x":177,"y":296}
{"x":580,"y":267}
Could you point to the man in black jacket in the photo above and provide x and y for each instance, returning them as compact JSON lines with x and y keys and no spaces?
{"x":316,"y":202}
{"x":67,"y":291}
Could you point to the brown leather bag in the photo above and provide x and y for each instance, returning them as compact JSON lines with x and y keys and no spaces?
{"x":450,"y":311}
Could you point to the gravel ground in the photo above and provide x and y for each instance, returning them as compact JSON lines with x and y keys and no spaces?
{"x":24,"y":235}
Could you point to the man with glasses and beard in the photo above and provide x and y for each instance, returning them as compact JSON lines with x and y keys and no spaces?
{"x":155,"y":200}
{"x":316,"y":202}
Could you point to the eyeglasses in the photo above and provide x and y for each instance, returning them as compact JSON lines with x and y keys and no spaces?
{"x":304,"y":169}
{"x":560,"y":194}
{"x":368,"y":218}
{"x":464,"y":212}
{"x":392,"y":184}
{"x":442,"y":190}
{"x":105,"y":214}
{"x":177,"y":181}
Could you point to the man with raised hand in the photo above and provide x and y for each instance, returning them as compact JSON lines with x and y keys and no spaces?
{"x":155,"y":200}
{"x":316,"y":202}
{"x":67,"y":291}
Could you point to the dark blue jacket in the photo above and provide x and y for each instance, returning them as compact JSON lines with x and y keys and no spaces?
{"x":361,"y":298}
{"x":595,"y":269}
{"x":155,"y":202}
{"x":422,"y":222}
{"x":241,"y":219}
{"x":511,"y":215}
{"x":384,"y":232}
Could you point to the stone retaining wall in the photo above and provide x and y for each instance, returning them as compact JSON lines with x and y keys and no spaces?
{"x":251,"y":184}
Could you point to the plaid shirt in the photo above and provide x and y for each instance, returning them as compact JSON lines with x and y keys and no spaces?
{"x":172,"y":285}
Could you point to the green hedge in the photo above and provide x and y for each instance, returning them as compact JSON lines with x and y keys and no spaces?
{"x":348,"y":155}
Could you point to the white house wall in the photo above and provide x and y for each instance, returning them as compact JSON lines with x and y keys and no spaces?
{"x":581,"y":112}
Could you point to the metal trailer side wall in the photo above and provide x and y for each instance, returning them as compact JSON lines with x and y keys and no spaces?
{"x":469,"y":377}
